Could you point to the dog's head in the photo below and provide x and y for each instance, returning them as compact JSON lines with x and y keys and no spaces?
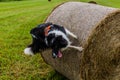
{"x":38,"y":38}
{"x":38,"y":32}
{"x":57,"y":40}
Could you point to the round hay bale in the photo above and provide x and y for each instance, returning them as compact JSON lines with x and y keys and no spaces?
{"x":98,"y":31}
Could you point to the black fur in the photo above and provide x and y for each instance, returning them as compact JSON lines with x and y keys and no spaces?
{"x":39,"y":43}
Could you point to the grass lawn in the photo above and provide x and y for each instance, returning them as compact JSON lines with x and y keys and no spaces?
{"x":16,"y":20}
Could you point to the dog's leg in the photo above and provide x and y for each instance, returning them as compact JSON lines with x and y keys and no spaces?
{"x":70,"y":33}
{"x":75,"y":47}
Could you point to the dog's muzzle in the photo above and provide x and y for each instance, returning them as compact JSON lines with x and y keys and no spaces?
{"x":57,"y":54}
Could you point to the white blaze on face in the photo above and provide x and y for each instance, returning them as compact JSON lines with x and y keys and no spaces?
{"x":60,"y":33}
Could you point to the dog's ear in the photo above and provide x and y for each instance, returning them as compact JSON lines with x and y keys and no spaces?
{"x":37,"y":33}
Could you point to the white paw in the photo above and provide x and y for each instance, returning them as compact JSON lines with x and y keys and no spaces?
{"x":80,"y":49}
{"x":75,"y":37}
{"x":75,"y":47}
{"x":28,"y":51}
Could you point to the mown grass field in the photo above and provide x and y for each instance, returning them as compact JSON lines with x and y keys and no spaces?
{"x":16,"y":20}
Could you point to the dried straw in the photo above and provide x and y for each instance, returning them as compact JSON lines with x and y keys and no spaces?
{"x":98,"y":31}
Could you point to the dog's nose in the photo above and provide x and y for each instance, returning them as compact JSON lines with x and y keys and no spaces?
{"x":54,"y":55}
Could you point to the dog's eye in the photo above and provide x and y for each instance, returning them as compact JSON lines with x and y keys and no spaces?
{"x":50,"y":36}
{"x":52,"y":41}
{"x":59,"y":38}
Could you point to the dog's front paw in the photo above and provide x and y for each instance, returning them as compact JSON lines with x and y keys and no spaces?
{"x":76,"y":47}
{"x":28,"y":51}
{"x":80,"y":49}
{"x":75,"y":37}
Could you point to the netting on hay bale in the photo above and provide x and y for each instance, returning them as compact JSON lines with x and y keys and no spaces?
{"x":98,"y":31}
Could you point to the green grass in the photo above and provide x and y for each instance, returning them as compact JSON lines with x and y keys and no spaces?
{"x":16,"y":20}
{"x":9,"y":0}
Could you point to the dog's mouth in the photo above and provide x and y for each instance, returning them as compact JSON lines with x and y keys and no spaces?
{"x":56,"y":54}
{"x":59,"y":54}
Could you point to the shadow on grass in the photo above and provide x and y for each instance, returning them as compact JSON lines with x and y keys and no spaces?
{"x":54,"y":75}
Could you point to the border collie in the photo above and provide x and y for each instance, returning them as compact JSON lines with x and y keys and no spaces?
{"x":50,"y":36}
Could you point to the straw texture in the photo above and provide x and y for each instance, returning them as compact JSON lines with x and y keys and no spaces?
{"x":98,"y":31}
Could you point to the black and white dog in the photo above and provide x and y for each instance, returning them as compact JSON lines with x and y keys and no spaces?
{"x":48,"y":35}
